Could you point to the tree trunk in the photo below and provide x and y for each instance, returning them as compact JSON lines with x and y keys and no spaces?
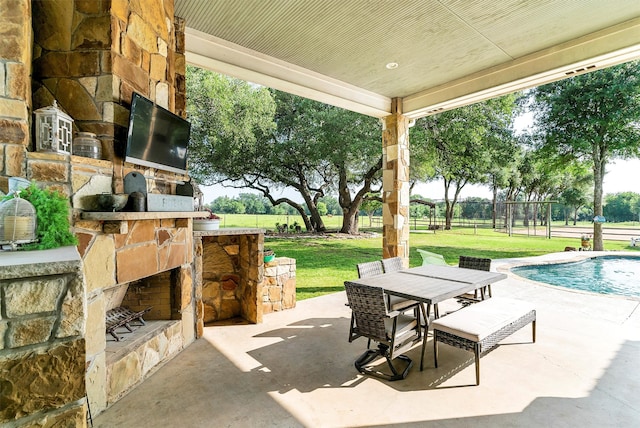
{"x":450,"y":204}
{"x":351,"y":206}
{"x":448,"y":208}
{"x":494,"y":208}
{"x":314,"y":223}
{"x":525,"y":222}
{"x":599,"y":163}
{"x":350,"y":221}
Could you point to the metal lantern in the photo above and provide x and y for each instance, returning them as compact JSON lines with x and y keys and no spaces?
{"x":17,"y":222}
{"x":53,"y":130}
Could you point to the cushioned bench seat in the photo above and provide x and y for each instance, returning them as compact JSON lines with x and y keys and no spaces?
{"x":479,"y":327}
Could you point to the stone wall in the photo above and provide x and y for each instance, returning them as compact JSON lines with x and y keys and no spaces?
{"x":279,"y":289}
{"x":148,"y":247}
{"x":91,"y":56}
{"x":229,"y":275}
{"x":42,"y":350}
{"x":15,"y":87}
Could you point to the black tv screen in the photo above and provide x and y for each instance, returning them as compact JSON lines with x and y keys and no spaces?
{"x":157,"y":138}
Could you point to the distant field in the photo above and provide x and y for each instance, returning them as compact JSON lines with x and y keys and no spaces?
{"x":268,"y":221}
{"x":324,"y":263}
{"x":334,"y":223}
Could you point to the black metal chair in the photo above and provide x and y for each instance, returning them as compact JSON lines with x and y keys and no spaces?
{"x":476,"y":263}
{"x":395,"y":331}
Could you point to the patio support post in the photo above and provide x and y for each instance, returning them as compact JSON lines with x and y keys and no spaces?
{"x":395,"y":184}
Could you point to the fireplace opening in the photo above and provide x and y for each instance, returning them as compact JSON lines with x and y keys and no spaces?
{"x":150,"y":343}
{"x":137,"y":308}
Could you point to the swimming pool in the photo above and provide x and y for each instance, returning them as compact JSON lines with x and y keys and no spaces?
{"x":618,"y":275}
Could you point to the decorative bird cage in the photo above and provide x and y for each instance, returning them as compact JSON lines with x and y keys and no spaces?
{"x":53,"y":130}
{"x":17,"y":222}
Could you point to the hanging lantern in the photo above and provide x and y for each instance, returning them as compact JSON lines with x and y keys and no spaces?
{"x":17,"y":222}
{"x":53,"y":130}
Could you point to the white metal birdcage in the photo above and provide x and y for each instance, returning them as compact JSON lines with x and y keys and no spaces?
{"x":17,"y":222}
{"x":53,"y":130}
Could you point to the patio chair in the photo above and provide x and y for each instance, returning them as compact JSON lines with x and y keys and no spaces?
{"x":478,"y":264}
{"x":395,"y":331}
{"x":429,"y":258}
{"x":392,"y":264}
{"x":365,"y":270}
{"x":396,"y":303}
{"x":370,"y":269}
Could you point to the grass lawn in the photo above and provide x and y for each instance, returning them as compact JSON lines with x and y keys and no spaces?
{"x":324,"y":263}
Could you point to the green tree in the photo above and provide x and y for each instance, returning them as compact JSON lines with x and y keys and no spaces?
{"x":253,"y":203}
{"x":475,"y":208}
{"x":621,"y":206}
{"x":593,"y":118}
{"x":312,"y":148}
{"x":222,"y":204}
{"x":333,"y":207}
{"x":230,"y":120}
{"x":322,"y":208}
{"x":371,"y":203}
{"x":466,"y":144}
{"x":576,"y":195}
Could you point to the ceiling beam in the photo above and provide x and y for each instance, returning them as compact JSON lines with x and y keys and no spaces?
{"x":613,"y":45}
{"x":209,"y":52}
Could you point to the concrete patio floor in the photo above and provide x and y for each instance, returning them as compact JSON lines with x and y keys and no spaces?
{"x":296,"y":369}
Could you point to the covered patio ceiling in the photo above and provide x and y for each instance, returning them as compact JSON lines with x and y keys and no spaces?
{"x":434,"y":55}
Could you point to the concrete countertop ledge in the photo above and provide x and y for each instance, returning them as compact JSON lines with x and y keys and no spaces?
{"x":24,"y":264}
{"x":229,"y":231}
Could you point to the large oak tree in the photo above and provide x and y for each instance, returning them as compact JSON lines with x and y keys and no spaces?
{"x":247,"y":136}
{"x":594,"y":118}
{"x":466,"y":145}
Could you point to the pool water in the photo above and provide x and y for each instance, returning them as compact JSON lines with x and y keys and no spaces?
{"x":606,"y":275}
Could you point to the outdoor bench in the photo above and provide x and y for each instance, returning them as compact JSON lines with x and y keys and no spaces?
{"x":481,"y":326}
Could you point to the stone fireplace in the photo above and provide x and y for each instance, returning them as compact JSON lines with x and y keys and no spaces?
{"x":138,"y":263}
{"x":90,"y":56}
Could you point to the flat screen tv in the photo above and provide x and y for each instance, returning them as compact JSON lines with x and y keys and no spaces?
{"x":157,"y":138}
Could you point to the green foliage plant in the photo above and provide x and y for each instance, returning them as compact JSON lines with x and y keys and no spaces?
{"x":52,"y":214}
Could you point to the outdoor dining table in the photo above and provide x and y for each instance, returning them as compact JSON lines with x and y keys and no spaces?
{"x":430,"y":285}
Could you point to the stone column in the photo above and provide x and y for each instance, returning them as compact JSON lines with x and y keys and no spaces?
{"x":15,"y":87}
{"x":395,"y":175}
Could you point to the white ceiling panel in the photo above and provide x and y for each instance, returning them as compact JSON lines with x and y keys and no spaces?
{"x":448,"y":52}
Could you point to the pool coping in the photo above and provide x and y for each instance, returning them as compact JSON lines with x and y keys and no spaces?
{"x":505,"y":266}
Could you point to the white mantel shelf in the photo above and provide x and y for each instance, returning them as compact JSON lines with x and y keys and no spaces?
{"x":146,"y":215}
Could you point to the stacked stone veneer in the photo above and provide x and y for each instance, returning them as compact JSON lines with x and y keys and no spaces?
{"x":279,"y":288}
{"x":229,"y":266}
{"x":395,"y":176}
{"x":42,"y":350}
{"x":145,"y":249}
{"x":92,"y":55}
{"x":15,"y":87}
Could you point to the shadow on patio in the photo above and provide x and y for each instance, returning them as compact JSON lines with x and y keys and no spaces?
{"x":296,"y":369}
